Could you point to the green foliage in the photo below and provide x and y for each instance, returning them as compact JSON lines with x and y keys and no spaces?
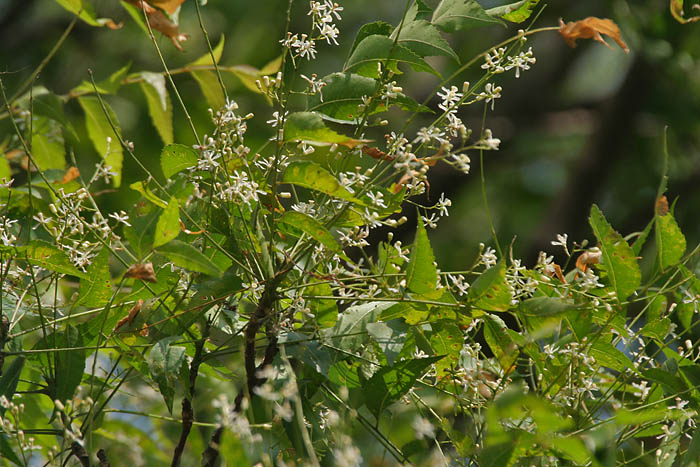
{"x":239,"y":306}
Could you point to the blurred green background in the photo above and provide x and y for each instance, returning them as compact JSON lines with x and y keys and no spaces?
{"x":584,"y":126}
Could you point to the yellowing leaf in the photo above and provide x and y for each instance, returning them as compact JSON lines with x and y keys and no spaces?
{"x":169,"y":6}
{"x":591,"y":28}
{"x":677,"y":12}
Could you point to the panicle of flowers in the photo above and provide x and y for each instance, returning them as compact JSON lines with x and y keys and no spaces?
{"x":488,"y":142}
{"x":521,"y":62}
{"x":238,"y":188}
{"x":494,"y":61}
{"x":490,"y":93}
{"x":458,"y":284}
{"x":323,"y":16}
{"x":488,"y":257}
{"x":10,"y":423}
{"x":315,"y":86}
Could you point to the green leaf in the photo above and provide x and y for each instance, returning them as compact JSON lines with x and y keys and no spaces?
{"x":175,"y":158}
{"x":670,"y":241}
{"x":311,"y":227}
{"x":498,"y":339}
{"x":148,"y":194}
{"x":642,"y":238}
{"x":545,"y":307}
{"x":516,"y":12}
{"x":140,"y":234}
{"x":370,"y":29}
{"x":211,"y":89}
{"x":96,"y":288}
{"x":343,"y":93}
{"x":7,"y":452}
{"x":159,"y":106}
{"x":67,"y":366}
{"x":693,"y":453}
{"x":350,"y":332}
{"x":9,"y":380}
{"x":419,"y":11}
{"x":168,"y":225}
{"x":309,"y":127}
{"x":421,"y":275}
{"x":425,"y":40}
{"x":311,"y":175}
{"x":311,"y":352}
{"x":389,"y":384}
{"x":456,"y":15}
{"x":490,"y":292}
{"x":619,"y":259}
{"x":377,"y":48}
{"x":48,"y":147}
{"x":107,"y":86}
{"x":85,"y":11}
{"x":47,"y":256}
{"x":205,"y":59}
{"x":164,"y":363}
{"x":390,"y":337}
{"x":447,"y":339}
{"x":186,"y":256}
{"x":607,"y":355}
{"x":640,"y":416}
{"x":99,"y":130}
{"x":325,"y":310}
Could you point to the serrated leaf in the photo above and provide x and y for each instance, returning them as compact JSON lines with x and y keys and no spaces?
{"x":349,"y":332}
{"x":421,"y":275}
{"x":619,"y":259}
{"x":310,"y":128}
{"x":490,"y":291}
{"x":516,"y":12}
{"x":498,"y":339}
{"x":159,"y":106}
{"x":607,"y":355}
{"x":96,"y":288}
{"x":458,"y":15}
{"x":84,"y":10}
{"x":148,"y":194}
{"x":175,"y":158}
{"x":140,"y":234}
{"x":99,"y":130}
{"x":164,"y":363}
{"x":186,"y":256}
{"x":211,"y":89}
{"x":670,"y":241}
{"x":447,"y":339}
{"x":390,"y":337}
{"x":425,"y":40}
{"x":377,"y":48}
{"x":205,"y":59}
{"x":370,"y":29}
{"x":311,"y":227}
{"x":9,"y":379}
{"x":311,"y":175}
{"x":168,"y":225}
{"x":545,"y":307}
{"x":343,"y":93}
{"x":47,"y":256}
{"x":48,"y":147}
{"x":389,"y":384}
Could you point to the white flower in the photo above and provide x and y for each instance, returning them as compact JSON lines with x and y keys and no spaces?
{"x":561,"y":241}
{"x":120,"y":217}
{"x":522,"y":61}
{"x":423,"y":428}
{"x":489,"y":142}
{"x":488,"y":257}
{"x":450,"y":97}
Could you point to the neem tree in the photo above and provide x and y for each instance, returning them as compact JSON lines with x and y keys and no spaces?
{"x":233,"y":314}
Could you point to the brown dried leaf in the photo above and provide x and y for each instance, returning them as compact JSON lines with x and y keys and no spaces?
{"x":71,"y":174}
{"x":591,"y":28}
{"x":169,"y":6}
{"x":129,"y":318}
{"x":376,"y":153}
{"x":160,"y":22}
{"x":661,"y":207}
{"x":143,"y":271}
{"x":591,"y":256}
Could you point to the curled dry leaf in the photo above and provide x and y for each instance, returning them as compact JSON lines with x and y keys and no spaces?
{"x":376,"y":153}
{"x":661,"y":207}
{"x":588,"y":257}
{"x":169,"y":6}
{"x":591,"y":28}
{"x":159,"y":21}
{"x":71,"y":174}
{"x":129,"y":318}
{"x":677,"y":12}
{"x":143,"y":271}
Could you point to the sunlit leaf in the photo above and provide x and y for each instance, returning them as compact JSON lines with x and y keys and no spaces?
{"x":175,"y":158}
{"x":514,"y":12}
{"x":670,"y":241}
{"x":102,"y":135}
{"x":390,"y":337}
{"x":447,"y":340}
{"x":376,"y":49}
{"x":421,"y":275}
{"x":310,"y":128}
{"x":490,"y":291}
{"x":458,"y":15}
{"x":349,"y":333}
{"x":159,"y":106}
{"x":311,"y":227}
{"x":168,"y":225}
{"x":85,"y":11}
{"x":498,"y":339}
{"x":425,"y":40}
{"x":186,"y":256}
{"x":311,"y":175}
{"x":619,"y":259}
{"x":96,"y":288}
